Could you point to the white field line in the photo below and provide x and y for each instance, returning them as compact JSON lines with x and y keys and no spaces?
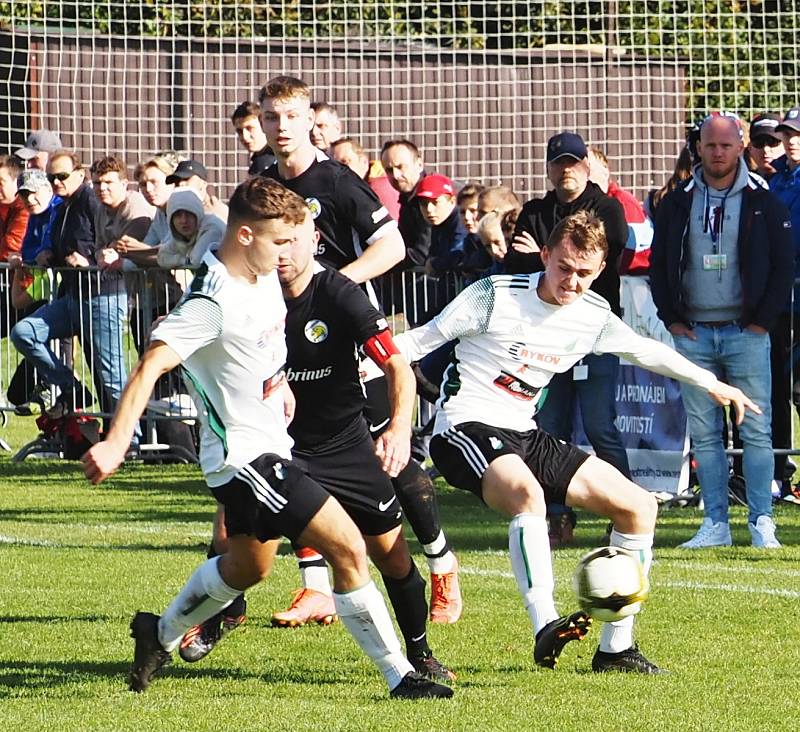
{"x":719,"y":587}
{"x":676,"y":563}
{"x":735,"y":568}
{"x":675,"y":584}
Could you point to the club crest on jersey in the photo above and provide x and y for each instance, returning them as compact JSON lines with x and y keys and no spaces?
{"x":316,"y":331}
{"x":314,"y":206}
{"x":496,"y":443}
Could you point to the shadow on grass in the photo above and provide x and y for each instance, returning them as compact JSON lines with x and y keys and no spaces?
{"x":20,"y":676}
{"x":198,"y":547}
{"x":127,"y":514}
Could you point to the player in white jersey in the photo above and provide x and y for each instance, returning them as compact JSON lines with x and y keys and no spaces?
{"x":228,"y":334}
{"x":513,"y":333}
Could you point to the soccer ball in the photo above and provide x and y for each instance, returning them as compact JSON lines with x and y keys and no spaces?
{"x":610,"y":584}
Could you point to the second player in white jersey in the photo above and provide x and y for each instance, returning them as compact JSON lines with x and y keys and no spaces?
{"x":510,"y":342}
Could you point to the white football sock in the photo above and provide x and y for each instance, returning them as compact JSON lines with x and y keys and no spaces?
{"x":316,"y":578}
{"x":618,"y":636}
{"x":365,"y":616}
{"x":529,"y":548}
{"x":439,"y":563}
{"x":204,"y":595}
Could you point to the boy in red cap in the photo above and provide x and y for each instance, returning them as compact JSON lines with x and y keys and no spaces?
{"x":437,"y":201}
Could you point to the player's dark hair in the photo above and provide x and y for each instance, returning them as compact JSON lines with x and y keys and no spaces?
{"x":405,"y":143}
{"x":244,"y":110}
{"x":584,"y":229}
{"x":260,"y":198}
{"x":284,"y":87}
{"x":109,"y":164}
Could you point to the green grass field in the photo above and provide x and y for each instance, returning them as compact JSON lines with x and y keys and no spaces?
{"x":77,"y":561}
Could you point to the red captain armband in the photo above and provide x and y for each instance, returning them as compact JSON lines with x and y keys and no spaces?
{"x":380,"y":347}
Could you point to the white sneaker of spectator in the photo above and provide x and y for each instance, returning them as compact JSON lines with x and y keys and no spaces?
{"x":176,"y":405}
{"x":763,"y":533}
{"x":709,"y":534}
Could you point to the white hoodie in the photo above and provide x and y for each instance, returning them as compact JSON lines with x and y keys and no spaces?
{"x":178,"y":251}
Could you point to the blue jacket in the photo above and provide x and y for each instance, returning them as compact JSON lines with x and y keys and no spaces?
{"x":785,"y":184}
{"x":39,"y":231}
{"x":766,"y":254}
{"x":446,"y":253}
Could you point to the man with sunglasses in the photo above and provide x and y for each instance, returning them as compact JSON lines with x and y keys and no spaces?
{"x":766,"y":144}
{"x":71,"y":247}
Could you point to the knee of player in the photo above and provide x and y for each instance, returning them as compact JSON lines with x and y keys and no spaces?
{"x":646,"y":508}
{"x":528,"y":496}
{"x":349,"y":555}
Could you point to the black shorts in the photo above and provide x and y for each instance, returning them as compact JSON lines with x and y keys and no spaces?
{"x":269,"y":498}
{"x":348,"y":469}
{"x":463,"y":453}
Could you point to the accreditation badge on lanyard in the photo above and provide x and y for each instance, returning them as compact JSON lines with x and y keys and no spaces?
{"x":714,"y":223}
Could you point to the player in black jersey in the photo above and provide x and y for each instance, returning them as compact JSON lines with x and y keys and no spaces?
{"x":360,"y":239}
{"x":328,"y":318}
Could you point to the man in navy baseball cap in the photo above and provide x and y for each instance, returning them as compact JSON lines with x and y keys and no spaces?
{"x":566,"y":144}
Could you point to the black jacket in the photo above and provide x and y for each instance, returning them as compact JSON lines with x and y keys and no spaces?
{"x":766,"y":255}
{"x":73,"y":228}
{"x":539,"y":217}
{"x":260,"y":161}
{"x":414,"y":229}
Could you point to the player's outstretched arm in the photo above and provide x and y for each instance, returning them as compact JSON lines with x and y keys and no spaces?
{"x":618,"y":338}
{"x":377,"y":259}
{"x":726,"y":395}
{"x":105,"y":457}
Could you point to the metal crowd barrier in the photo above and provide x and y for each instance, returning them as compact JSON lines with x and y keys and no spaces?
{"x":109,"y":320}
{"x":121,"y":306}
{"x":107,"y":317}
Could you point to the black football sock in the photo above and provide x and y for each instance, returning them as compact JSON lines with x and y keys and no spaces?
{"x":417,"y":497}
{"x":410,"y":609}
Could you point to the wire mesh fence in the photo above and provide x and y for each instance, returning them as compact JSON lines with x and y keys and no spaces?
{"x":478,"y":85}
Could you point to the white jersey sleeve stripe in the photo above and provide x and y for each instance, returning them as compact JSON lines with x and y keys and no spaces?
{"x":385,"y":230}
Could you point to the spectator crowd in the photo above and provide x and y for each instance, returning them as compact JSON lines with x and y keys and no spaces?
{"x":719,"y":244}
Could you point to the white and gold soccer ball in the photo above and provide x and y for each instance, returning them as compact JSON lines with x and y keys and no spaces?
{"x":610,"y":584}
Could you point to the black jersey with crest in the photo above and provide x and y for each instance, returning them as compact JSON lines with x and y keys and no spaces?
{"x":347,"y":213}
{"x":325,"y":326}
